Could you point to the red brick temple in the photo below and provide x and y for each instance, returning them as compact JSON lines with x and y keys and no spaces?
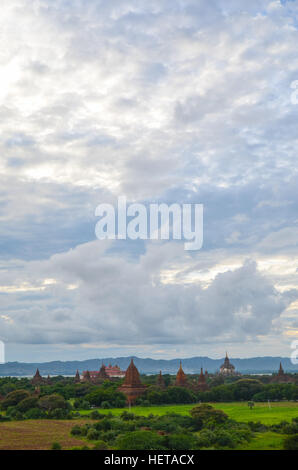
{"x":202,"y":385}
{"x":160,"y":381}
{"x":181,"y":379}
{"x":132,"y":386}
{"x":37,"y":379}
{"x":77,"y":377}
{"x":281,"y":377}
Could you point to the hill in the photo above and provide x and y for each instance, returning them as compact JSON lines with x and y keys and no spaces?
{"x":254,"y":365}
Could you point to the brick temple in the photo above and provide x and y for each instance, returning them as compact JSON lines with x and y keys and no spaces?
{"x":132,"y":386}
{"x":181,"y":379}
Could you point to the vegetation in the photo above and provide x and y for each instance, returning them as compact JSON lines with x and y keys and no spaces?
{"x":232,"y":414}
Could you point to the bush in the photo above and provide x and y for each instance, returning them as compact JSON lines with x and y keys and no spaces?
{"x":96,"y":415}
{"x":56,"y":446}
{"x":291,"y":442}
{"x":126,"y":416}
{"x":76,"y":430}
{"x":225,"y":439}
{"x":101,"y":445}
{"x":93,"y":435}
{"x":4,"y":418}
{"x":180,"y":441}
{"x":206,"y":438}
{"x":59,"y":413}
{"x":35,"y":413}
{"x":106,"y":405}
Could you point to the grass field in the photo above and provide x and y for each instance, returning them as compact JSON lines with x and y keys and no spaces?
{"x":279,"y":411}
{"x":264,"y":441}
{"x":38,"y":434}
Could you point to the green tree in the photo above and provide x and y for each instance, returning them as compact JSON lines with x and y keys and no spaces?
{"x":27,"y":404}
{"x":52,"y":402}
{"x":206,"y":414}
{"x":13,"y":398}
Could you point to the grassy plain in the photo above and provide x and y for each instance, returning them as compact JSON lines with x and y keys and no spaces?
{"x":266,"y":414}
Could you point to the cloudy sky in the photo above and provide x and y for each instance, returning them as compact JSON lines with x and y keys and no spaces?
{"x":168,"y":101}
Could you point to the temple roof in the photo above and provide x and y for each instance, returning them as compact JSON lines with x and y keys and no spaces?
{"x":181,"y":377}
{"x":132,"y":376}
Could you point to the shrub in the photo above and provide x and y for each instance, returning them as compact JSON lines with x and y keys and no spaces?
{"x":106,"y":405}
{"x":291,"y":442}
{"x":35,"y":413}
{"x":96,"y":415}
{"x":93,"y":435}
{"x":180,"y":441}
{"x":224,"y":439}
{"x":100,"y":445}
{"x":56,"y":446}
{"x":76,"y":430}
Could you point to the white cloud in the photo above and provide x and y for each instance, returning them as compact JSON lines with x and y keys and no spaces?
{"x":155,"y":100}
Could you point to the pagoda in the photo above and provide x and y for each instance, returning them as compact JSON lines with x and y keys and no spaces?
{"x":102,"y":373}
{"x":281,"y":377}
{"x":160,"y":380}
{"x":86,"y":376}
{"x":132,"y":386}
{"x":181,"y":379}
{"x":37,"y":379}
{"x":202,"y":385}
{"x":227,"y":368}
{"x":77,"y":378}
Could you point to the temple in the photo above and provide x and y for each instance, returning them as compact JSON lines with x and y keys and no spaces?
{"x":227,"y":368}
{"x":105,"y":373}
{"x":181,"y":379}
{"x":202,"y":385}
{"x":132,"y":386}
{"x":77,"y":377}
{"x":160,"y":381}
{"x":281,"y":377}
{"x":37,"y":379}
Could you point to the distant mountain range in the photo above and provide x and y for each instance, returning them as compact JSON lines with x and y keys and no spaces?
{"x":191,"y":365}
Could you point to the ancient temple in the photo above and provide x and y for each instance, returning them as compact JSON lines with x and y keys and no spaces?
{"x":160,"y":381}
{"x":48,"y":381}
{"x":132,"y":386}
{"x":102,"y":374}
{"x":86,"y":376}
{"x":77,"y":378}
{"x":37,"y":379}
{"x":227,"y":368}
{"x":202,"y":385}
{"x":281,"y":377}
{"x":181,"y":379}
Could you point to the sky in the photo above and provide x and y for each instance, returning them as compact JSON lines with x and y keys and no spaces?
{"x":170,"y":101}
